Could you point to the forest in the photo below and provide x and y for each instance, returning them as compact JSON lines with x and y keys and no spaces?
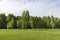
{"x":25,"y":21}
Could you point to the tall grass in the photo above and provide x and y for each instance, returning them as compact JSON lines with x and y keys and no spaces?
{"x":30,"y":34}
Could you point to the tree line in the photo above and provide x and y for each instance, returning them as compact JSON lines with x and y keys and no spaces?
{"x":28,"y":22}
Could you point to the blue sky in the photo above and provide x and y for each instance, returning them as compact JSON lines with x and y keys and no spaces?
{"x":35,"y":7}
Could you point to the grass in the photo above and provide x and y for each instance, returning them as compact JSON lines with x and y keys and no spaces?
{"x":30,"y":34}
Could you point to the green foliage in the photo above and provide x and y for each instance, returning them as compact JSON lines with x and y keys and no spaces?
{"x":28,"y":22}
{"x":19,"y":24}
{"x":3,"y":21}
{"x":11,"y":21}
{"x":10,"y":25}
{"x":26,"y":19}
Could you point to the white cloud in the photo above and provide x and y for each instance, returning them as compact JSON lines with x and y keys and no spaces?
{"x":36,"y":8}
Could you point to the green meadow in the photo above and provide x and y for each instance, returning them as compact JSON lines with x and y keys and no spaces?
{"x":29,"y":34}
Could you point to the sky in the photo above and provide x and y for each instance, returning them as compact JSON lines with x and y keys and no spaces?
{"x":35,"y":7}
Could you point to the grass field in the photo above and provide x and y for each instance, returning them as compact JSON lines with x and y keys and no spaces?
{"x":34,"y":34}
